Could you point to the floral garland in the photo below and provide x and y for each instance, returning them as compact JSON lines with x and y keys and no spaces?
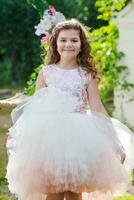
{"x":50,"y":18}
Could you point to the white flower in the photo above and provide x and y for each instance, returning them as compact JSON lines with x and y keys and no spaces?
{"x":59,"y":17}
{"x":39,"y":29}
{"x":48,"y":21}
{"x":43,"y":26}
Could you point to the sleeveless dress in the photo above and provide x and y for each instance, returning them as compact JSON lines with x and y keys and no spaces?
{"x":57,"y":145}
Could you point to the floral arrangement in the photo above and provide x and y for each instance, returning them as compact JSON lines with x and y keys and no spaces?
{"x":50,"y":18}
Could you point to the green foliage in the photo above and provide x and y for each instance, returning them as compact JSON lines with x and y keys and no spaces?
{"x":104,"y":47}
{"x":39,"y":5}
{"x":108,"y":9}
{"x":5,"y":71}
{"x":18,"y":44}
{"x":85,"y":11}
{"x":126,"y":197}
{"x":30,"y":89}
{"x":104,"y":44}
{"x":5,"y":197}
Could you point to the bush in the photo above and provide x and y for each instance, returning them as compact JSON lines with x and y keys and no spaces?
{"x":5,"y":72}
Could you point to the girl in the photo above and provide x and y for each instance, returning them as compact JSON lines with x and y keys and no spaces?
{"x":56,"y":148}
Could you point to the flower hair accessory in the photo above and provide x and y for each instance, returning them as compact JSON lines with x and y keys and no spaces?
{"x":50,"y":18}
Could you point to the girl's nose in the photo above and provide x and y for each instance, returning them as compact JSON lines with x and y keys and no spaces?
{"x":68,"y":43}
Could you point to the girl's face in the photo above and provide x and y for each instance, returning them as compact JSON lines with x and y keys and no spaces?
{"x":68,"y":43}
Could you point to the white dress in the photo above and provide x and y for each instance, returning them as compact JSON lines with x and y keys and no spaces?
{"x":56,"y":145}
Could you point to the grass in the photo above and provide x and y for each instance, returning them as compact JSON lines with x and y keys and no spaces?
{"x":5,"y":197}
{"x":5,"y":122}
{"x":129,"y":197}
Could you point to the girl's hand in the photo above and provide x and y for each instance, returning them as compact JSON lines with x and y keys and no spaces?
{"x":8,"y":136}
{"x":123,"y":154}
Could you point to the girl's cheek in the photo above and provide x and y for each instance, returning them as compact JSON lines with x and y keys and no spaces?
{"x":78,"y":47}
{"x":61,"y":45}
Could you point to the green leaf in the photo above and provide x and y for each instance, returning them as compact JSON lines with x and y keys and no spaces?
{"x":39,"y":5}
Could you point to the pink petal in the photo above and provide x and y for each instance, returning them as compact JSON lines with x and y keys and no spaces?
{"x":45,"y":38}
{"x":52,"y":11}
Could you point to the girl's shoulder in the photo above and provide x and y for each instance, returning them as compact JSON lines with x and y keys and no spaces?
{"x":46,"y":68}
{"x":87,"y":75}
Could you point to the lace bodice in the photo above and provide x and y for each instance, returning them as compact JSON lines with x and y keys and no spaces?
{"x":73,"y":81}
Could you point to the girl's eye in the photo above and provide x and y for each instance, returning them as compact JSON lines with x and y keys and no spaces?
{"x":74,"y":40}
{"x":71,"y":40}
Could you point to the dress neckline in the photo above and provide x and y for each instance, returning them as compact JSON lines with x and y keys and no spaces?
{"x":73,"y":69}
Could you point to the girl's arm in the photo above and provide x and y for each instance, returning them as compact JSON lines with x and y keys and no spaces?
{"x":97,"y":106}
{"x":94,"y":98}
{"x":40,"y":82}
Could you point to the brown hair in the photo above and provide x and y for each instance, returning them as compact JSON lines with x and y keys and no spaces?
{"x":84,"y":58}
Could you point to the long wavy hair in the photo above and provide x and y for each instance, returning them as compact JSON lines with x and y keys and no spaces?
{"x":84,"y":58}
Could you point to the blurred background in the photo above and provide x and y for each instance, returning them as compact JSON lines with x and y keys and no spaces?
{"x":111,"y":38}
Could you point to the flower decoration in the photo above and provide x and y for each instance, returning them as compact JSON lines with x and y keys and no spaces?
{"x":45,"y":38}
{"x":50,"y":18}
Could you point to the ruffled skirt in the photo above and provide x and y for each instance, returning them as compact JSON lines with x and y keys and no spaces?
{"x":52,"y":150}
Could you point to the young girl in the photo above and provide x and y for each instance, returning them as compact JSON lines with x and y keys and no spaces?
{"x":56,"y":148}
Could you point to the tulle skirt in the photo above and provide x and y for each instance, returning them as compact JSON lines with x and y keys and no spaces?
{"x":52,"y":149}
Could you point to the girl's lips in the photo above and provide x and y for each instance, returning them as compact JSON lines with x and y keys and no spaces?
{"x":68,"y":50}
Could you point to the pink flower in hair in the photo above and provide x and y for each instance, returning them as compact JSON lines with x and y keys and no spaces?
{"x":52,"y":11}
{"x":45,"y":38}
